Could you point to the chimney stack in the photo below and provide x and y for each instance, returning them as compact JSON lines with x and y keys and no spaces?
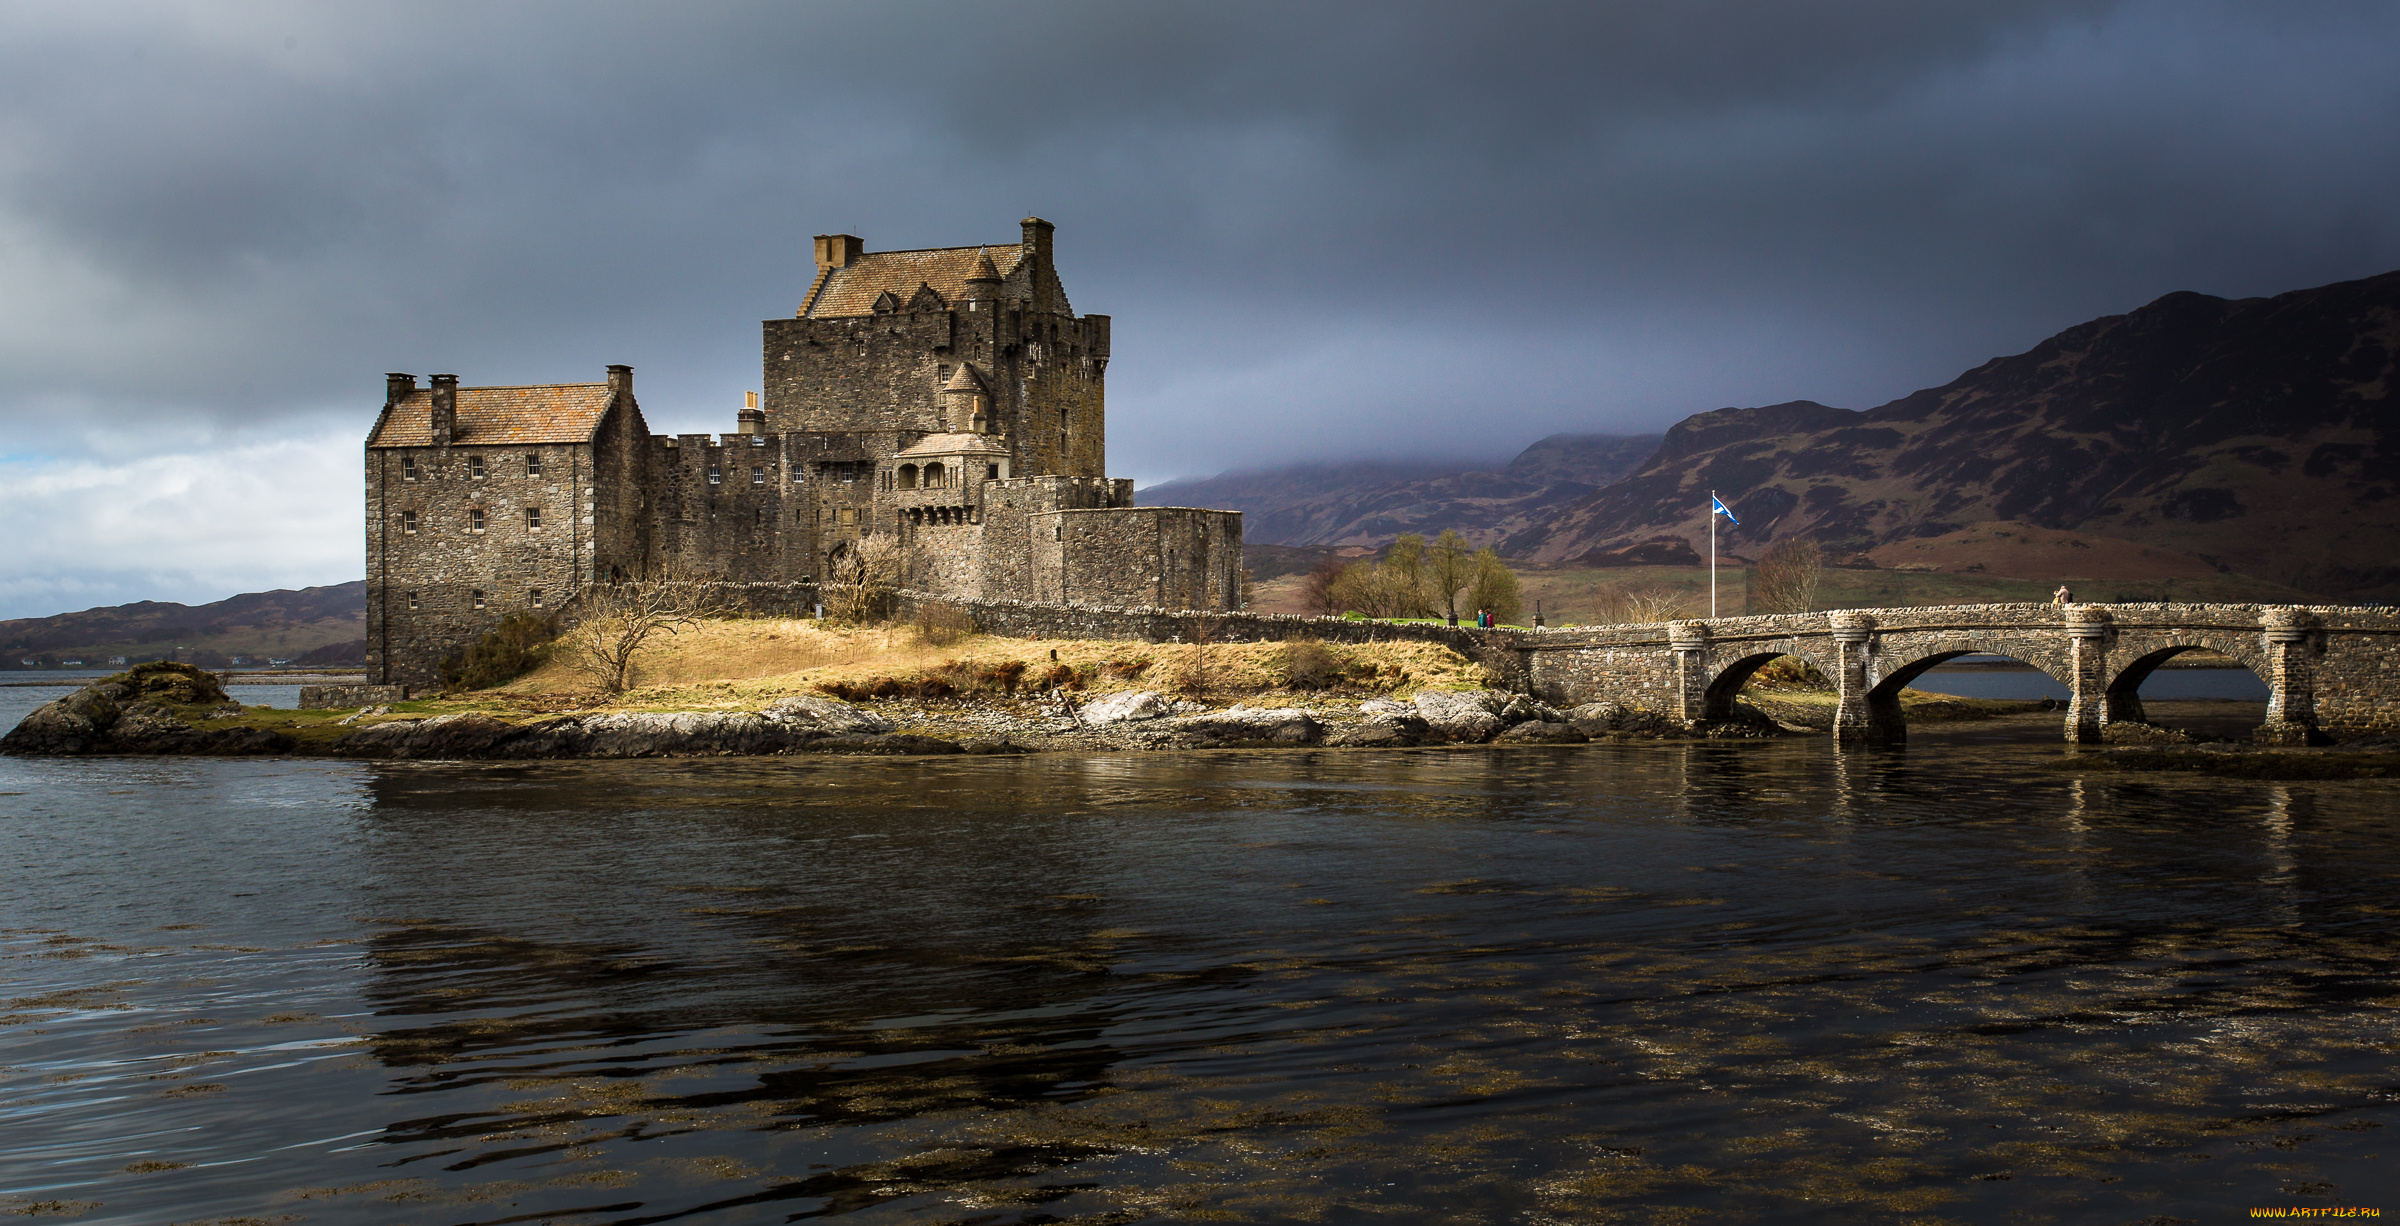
{"x":445,"y":409}
{"x":396,"y":388}
{"x":839,"y":250}
{"x":752,"y":419}
{"x":620,"y":380}
{"x":1037,"y":240}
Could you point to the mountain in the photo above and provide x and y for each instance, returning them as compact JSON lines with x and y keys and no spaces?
{"x":1369,"y":503}
{"x":320,"y":623}
{"x":2245,"y":436}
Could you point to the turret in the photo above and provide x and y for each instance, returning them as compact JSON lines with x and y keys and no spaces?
{"x":964,"y":399}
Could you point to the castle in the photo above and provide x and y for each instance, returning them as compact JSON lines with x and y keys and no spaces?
{"x":950,"y":397}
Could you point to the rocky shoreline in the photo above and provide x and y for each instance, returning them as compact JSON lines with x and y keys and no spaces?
{"x":158,"y":710}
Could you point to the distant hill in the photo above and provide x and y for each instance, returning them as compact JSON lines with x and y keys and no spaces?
{"x":2194,"y":435}
{"x":323,"y":625}
{"x":1370,"y":502}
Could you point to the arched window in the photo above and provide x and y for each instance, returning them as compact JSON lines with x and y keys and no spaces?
{"x":933,"y":476}
{"x":908,"y":476}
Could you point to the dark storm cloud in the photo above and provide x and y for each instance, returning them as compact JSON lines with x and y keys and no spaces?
{"x":1322,"y":228}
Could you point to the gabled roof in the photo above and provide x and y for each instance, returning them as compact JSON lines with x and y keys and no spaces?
{"x":544,"y":413}
{"x":937,"y":445}
{"x":849,"y":291}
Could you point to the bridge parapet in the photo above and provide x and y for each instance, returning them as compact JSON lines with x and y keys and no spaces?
{"x":2327,"y":668}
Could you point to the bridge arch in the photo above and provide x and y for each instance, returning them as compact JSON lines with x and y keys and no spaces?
{"x":1734,"y":673}
{"x":1898,"y":669}
{"x":2123,"y":694}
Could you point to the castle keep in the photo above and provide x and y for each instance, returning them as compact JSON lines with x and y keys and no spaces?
{"x":950,"y":397}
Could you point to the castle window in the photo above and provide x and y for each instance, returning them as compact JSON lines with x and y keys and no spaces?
{"x":408,"y":468}
{"x":716,"y":476}
{"x":908,"y":476}
{"x":478,"y":598}
{"x":412,"y":601}
{"x":533,"y":596}
{"x":1058,"y":532}
{"x":475,"y":519}
{"x":933,"y":477}
{"x":408,"y":522}
{"x":533,"y":463}
{"x":475,"y":466}
{"x":758,"y":475}
{"x":533,"y":519}
{"x":991,"y":472}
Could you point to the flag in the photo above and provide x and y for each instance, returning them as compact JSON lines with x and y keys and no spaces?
{"x":1717,"y":505}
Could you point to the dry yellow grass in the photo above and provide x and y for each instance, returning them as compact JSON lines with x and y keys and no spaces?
{"x":742,"y":662}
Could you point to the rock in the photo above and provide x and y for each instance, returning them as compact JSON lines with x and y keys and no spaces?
{"x":1460,"y":715}
{"x":1381,"y":732}
{"x":1385,"y":706}
{"x":992,"y":747}
{"x":1541,"y":732}
{"x":807,"y":711}
{"x":164,"y":681}
{"x":468,"y":734}
{"x":68,"y":725}
{"x":1597,"y":713}
{"x":1519,"y":709}
{"x":1125,"y":708}
{"x":894,"y":743}
{"x":1237,"y":726}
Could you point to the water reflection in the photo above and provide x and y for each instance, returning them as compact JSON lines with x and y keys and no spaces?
{"x":1771,"y":981}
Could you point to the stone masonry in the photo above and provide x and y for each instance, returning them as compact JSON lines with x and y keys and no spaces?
{"x":2328,"y":670}
{"x":948,"y":397}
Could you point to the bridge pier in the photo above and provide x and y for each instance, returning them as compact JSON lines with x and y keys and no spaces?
{"x":2087,"y":680}
{"x":2291,"y":679}
{"x":1854,"y":718}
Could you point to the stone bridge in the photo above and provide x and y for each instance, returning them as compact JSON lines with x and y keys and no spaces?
{"x":2328,"y":670}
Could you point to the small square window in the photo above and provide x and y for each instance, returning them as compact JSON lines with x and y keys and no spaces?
{"x":533,"y":596}
{"x":408,"y":468}
{"x":412,"y":601}
{"x":758,"y":475}
{"x":474,"y":466}
{"x":478,"y":598}
{"x":533,"y":464}
{"x":408,"y":522}
{"x":475,"y":520}
{"x":533,"y":519}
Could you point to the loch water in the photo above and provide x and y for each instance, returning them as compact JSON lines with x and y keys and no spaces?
{"x":1757,"y":982}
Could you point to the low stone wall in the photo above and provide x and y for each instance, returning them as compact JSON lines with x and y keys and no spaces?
{"x":340,"y":697}
{"x":1019,"y":619}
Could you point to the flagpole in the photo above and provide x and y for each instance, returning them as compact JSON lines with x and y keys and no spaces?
{"x":1712,"y":555}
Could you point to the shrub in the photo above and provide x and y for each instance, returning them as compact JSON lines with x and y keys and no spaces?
{"x":165,"y":681}
{"x":513,"y":648}
{"x":1307,"y":664}
{"x":1004,"y":677}
{"x":940,"y":623}
{"x":1790,"y":673}
{"x":1124,"y":670}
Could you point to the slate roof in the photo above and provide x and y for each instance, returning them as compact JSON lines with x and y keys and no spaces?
{"x":545,"y":413}
{"x":841,"y":292}
{"x":953,"y":444}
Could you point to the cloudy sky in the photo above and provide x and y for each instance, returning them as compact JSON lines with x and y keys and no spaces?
{"x":1323,"y":230}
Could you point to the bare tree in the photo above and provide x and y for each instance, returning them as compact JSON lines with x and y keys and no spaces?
{"x":1787,"y":577}
{"x":613,"y":621}
{"x":1628,"y":606}
{"x":1317,"y":590}
{"x":863,"y":576}
{"x":1193,"y":678}
{"x":1449,"y":568}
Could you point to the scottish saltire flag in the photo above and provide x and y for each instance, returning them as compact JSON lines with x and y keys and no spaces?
{"x":1717,"y":505}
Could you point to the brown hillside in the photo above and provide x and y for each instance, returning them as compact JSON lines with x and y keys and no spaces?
{"x":2249,"y":435}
